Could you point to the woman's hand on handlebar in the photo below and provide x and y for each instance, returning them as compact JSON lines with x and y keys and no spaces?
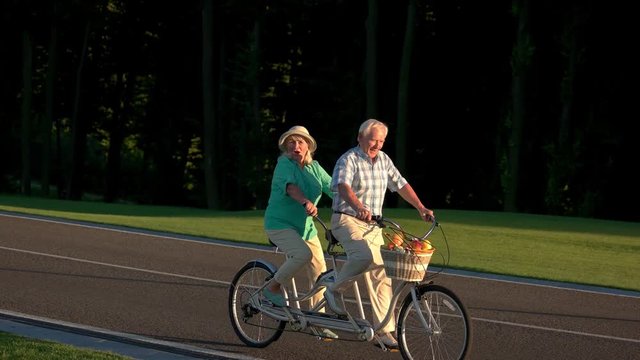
{"x":310,"y":208}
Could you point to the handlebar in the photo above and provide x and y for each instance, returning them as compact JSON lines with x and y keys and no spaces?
{"x":384,"y":222}
{"x":317,"y":218}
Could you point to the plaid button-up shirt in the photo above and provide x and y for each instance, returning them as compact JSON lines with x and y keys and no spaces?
{"x":368,"y":179}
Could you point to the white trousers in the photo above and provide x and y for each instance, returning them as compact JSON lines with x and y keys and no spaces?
{"x":362,"y":242}
{"x":299,"y":254}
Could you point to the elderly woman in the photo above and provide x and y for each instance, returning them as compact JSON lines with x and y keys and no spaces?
{"x":297,"y":185}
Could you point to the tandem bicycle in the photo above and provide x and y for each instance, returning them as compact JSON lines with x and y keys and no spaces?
{"x":432,"y":322}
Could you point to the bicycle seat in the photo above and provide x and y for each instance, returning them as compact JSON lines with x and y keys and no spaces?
{"x":271,"y":242}
{"x":330,"y":238}
{"x":333,"y":242}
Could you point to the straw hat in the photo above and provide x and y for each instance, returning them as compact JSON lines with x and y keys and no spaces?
{"x":299,"y":131}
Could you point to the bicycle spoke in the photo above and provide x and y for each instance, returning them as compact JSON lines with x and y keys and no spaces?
{"x":252,"y":326}
{"x":447,"y":333}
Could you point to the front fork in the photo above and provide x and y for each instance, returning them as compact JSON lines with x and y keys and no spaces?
{"x":421,"y":314}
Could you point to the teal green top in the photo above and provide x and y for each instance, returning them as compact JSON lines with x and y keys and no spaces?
{"x":285,"y":213}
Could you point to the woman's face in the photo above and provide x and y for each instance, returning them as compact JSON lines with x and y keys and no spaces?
{"x":297,"y":148}
{"x":372,"y":143}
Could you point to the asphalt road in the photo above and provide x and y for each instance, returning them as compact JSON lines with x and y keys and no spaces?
{"x":174,"y":289}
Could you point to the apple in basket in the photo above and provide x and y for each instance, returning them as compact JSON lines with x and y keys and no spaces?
{"x":421,"y":246}
{"x":397,"y":240}
{"x":416,"y":245}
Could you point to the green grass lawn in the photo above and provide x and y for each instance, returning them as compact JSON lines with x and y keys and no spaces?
{"x":577,"y":250}
{"x":17,"y":347}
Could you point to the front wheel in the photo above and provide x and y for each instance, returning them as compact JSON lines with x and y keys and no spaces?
{"x":434,"y":327}
{"x":252,"y":326}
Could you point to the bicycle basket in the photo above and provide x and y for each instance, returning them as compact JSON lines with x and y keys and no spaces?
{"x":407,"y":266}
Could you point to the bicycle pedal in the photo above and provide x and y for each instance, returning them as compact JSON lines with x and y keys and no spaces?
{"x":389,"y":349}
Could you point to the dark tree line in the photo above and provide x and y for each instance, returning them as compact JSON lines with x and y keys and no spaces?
{"x":513,"y":105}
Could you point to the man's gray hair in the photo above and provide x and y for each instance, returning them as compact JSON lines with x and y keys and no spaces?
{"x":366,"y":127}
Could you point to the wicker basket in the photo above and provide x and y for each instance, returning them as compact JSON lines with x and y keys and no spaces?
{"x":406,"y":266}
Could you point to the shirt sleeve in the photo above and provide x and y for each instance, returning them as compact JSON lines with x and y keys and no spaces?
{"x":343,"y":172}
{"x":283,"y":174}
{"x":325,"y":180}
{"x":395,"y":181}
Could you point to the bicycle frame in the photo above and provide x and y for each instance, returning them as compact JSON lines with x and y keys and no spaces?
{"x":301,"y":319}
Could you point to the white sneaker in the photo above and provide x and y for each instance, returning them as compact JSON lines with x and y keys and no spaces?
{"x":327,"y":277}
{"x":335,"y":304}
{"x":388,"y":340}
{"x":276,"y":299}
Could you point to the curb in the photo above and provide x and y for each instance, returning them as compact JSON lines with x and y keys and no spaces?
{"x":135,"y":346}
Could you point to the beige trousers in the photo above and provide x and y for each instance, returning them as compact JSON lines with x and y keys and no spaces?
{"x":362,"y":242}
{"x":299,"y":254}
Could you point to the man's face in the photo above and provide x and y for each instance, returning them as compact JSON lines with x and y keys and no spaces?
{"x":372,"y":143}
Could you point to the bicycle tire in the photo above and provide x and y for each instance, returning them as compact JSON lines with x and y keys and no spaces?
{"x":450,"y":334}
{"x":254,"y":328}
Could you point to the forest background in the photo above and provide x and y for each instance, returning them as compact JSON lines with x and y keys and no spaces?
{"x":518,"y":106}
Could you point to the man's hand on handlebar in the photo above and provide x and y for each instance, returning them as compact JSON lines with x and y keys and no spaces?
{"x":364,"y":214}
{"x":426,"y":214}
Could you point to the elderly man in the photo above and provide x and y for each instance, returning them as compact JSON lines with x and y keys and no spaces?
{"x":359,"y":183}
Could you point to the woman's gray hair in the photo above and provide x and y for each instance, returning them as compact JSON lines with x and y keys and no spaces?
{"x":366,"y":127}
{"x":308,"y":158}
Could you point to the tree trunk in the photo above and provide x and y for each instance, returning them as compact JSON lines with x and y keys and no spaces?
{"x":521,"y":60}
{"x":27,"y":60}
{"x":258,"y":157}
{"x":371,"y":60}
{"x":48,"y":118}
{"x":209,"y":116}
{"x":403,"y":88}
{"x":403,"y":94}
{"x":222,"y":127}
{"x":249,"y":132}
{"x":78,"y":130}
{"x":564,"y":151}
{"x":116,"y":136}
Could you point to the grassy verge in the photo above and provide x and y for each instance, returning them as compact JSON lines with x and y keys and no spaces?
{"x":17,"y":347}
{"x":577,"y":250}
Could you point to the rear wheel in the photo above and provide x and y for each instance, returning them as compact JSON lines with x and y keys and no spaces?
{"x":252,"y":326}
{"x":448,"y":332}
